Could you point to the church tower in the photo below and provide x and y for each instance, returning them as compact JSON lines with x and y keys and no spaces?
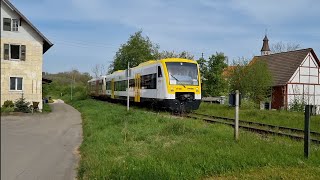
{"x":265,"y":50}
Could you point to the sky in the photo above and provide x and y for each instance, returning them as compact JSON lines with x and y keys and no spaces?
{"x":89,"y":32}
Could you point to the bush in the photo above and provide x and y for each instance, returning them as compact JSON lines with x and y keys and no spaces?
{"x":8,"y":104}
{"x":22,"y":106}
{"x":297,"y":105}
{"x":7,"y":109}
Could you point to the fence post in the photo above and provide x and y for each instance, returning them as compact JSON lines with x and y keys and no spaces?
{"x":236,"y":121}
{"x":307,"y":131}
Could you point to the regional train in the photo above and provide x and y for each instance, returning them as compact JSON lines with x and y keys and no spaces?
{"x":172,"y":83}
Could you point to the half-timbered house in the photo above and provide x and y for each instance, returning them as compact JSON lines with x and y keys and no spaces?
{"x":296,"y":76}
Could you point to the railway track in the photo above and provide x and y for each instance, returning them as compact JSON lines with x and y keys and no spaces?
{"x":293,"y":133}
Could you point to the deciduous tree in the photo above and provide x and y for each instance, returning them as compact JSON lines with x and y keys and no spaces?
{"x":253,"y":80}
{"x":98,"y":70}
{"x":138,"y":49}
{"x":214,"y":83}
{"x":282,"y":47}
{"x":172,"y":54}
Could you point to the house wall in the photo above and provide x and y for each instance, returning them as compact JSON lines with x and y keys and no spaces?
{"x":304,"y":85}
{"x":30,"y":69}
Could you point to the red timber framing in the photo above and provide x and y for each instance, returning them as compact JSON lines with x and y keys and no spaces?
{"x":304,"y":85}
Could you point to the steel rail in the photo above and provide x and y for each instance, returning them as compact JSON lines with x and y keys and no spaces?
{"x":314,"y":133}
{"x":217,"y":119}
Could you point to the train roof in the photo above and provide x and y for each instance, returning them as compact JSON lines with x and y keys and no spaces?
{"x":151,"y":62}
{"x":98,"y":78}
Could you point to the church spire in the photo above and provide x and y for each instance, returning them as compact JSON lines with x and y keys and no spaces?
{"x":265,"y":50}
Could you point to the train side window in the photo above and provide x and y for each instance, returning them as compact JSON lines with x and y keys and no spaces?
{"x":131,"y":82}
{"x":149,"y":81}
{"x":159,"y":72}
{"x":108,"y":85}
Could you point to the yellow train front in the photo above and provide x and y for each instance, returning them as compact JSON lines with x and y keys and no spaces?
{"x":172,"y":83}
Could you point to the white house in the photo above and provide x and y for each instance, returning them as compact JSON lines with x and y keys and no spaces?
{"x":22,"y":49}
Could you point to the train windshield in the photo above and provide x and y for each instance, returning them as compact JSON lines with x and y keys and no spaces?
{"x":183,"y":73}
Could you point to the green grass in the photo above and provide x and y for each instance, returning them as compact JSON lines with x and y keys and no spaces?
{"x":146,"y":145}
{"x":46,"y":108}
{"x":274,"y":117}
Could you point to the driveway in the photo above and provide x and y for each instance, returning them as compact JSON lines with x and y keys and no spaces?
{"x":41,"y":146}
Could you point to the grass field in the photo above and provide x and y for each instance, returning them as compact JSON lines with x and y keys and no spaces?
{"x":147,"y":145}
{"x":282,"y":118}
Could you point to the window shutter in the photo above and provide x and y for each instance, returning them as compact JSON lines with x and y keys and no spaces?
{"x":6,"y":24}
{"x":6,"y":52}
{"x":23,"y":52}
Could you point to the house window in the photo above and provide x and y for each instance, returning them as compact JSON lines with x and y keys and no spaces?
{"x":14,"y":52}
{"x":15,"y":83}
{"x":7,"y":24}
{"x":15,"y":24}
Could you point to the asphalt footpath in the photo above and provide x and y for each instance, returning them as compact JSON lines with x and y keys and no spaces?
{"x":41,"y":146}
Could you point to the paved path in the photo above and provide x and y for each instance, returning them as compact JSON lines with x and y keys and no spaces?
{"x":41,"y":146}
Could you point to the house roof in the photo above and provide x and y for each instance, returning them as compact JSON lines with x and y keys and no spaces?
{"x":228,"y":71}
{"x":283,"y":65}
{"x":46,"y":43}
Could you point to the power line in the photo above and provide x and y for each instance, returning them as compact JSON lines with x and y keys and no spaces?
{"x":83,"y":45}
{"x":82,"y":42}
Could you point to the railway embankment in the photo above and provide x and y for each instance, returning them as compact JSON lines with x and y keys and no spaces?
{"x":146,"y":145}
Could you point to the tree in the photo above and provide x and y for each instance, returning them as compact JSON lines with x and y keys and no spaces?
{"x":172,"y":54}
{"x":214,"y":83}
{"x":138,"y":49}
{"x":235,"y":77}
{"x":98,"y":70}
{"x":282,"y":47}
{"x":253,"y":80}
{"x":203,"y":66}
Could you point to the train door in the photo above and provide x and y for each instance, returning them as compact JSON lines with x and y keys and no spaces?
{"x":137,"y":87}
{"x":160,"y":80}
{"x":112,"y":89}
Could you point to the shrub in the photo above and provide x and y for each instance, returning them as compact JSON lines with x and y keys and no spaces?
{"x":8,"y":104}
{"x":7,"y":109}
{"x":22,"y":106}
{"x":297,"y":105}
{"x":80,"y":93}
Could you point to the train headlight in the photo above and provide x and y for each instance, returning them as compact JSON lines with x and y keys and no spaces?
{"x":197,"y":89}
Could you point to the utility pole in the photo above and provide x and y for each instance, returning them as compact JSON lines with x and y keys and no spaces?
{"x":236,"y":121}
{"x":128,"y":79}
